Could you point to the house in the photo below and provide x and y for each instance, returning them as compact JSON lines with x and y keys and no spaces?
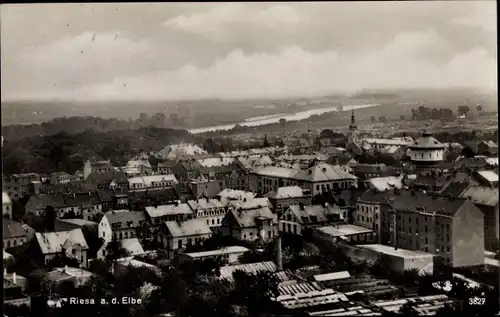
{"x":372,"y":211}
{"x":366,"y":171}
{"x":488,"y":148}
{"x":250,"y":162}
{"x":70,"y":224}
{"x":345,"y":233}
{"x":181,"y":151}
{"x":401,"y":259}
{"x":389,"y":182}
{"x":15,"y":233}
{"x":235,"y":195}
{"x":186,"y":170}
{"x":318,"y":178}
{"x":13,"y":294}
{"x":212,"y":211}
{"x":231,"y":175}
{"x":231,"y":254}
{"x":114,"y":180}
{"x":122,"y":266}
{"x":250,"y":223}
{"x":452,"y":228}
{"x":166,"y":167}
{"x":121,"y":224}
{"x":132,"y":246}
{"x":299,"y":217}
{"x":6,"y":206}
{"x":38,"y":203}
{"x":18,"y":185}
{"x":60,"y":178}
{"x":486,"y":199}
{"x":282,"y":197}
{"x":395,"y":152}
{"x":172,"y":212}
{"x":82,"y":205}
{"x":202,"y":187}
{"x":136,"y":168}
{"x":16,"y":279}
{"x":108,"y":198}
{"x":97,"y":167}
{"x":71,"y":242}
{"x":488,"y":178}
{"x":177,"y":235}
{"x":151,"y":182}
{"x":78,"y":276}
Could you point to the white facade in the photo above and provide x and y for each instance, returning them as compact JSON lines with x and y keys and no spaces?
{"x":427,"y":155}
{"x":104,"y":230}
{"x":6,"y":205}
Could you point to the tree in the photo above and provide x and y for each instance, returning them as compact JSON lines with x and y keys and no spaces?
{"x":283,"y":122}
{"x":39,"y":283}
{"x":61,"y":260}
{"x":479,"y":108}
{"x":408,"y":310}
{"x":115,"y":251}
{"x":255,"y":291}
{"x":266,"y":142}
{"x":463,"y":110}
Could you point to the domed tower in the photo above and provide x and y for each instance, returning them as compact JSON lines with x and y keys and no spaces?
{"x":426,"y":152}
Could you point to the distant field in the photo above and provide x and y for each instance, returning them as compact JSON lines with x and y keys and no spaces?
{"x":214,"y":112}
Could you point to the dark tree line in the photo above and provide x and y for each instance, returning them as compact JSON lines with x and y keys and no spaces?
{"x":423,"y":113}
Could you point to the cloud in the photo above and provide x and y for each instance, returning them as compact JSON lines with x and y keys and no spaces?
{"x":297,"y":72}
{"x":217,"y":23}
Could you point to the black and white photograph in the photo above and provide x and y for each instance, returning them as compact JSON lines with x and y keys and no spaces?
{"x":247,"y":159}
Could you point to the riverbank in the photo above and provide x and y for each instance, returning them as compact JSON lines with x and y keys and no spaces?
{"x":271,"y":119}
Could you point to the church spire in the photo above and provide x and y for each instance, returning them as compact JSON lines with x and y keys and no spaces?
{"x":352,"y":126}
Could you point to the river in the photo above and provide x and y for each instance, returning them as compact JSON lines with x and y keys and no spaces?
{"x":262,"y":120}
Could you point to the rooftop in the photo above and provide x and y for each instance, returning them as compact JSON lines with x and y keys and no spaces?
{"x":54,"y":242}
{"x":287,"y":192}
{"x":401,"y":253}
{"x":482,"y":195}
{"x":227,"y":271}
{"x":343,"y":230}
{"x":332,"y":276}
{"x":172,"y":209}
{"x":490,"y":176}
{"x":191,"y":227}
{"x":226,"y":250}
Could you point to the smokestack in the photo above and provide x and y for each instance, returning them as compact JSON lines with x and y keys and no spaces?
{"x":279,"y":259}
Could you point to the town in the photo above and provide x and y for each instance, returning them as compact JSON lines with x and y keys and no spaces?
{"x":312,"y":228}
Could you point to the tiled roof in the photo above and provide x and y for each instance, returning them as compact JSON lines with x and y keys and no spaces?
{"x":204,"y":204}
{"x":13,"y":229}
{"x":482,"y":195}
{"x":376,"y":196}
{"x":246,"y":218}
{"x":455,"y":189}
{"x":164,"y":210}
{"x":225,"y":250}
{"x":286,"y":192}
{"x":53,"y":242}
{"x":323,"y":172}
{"x":42,"y":201}
{"x":273,"y":171}
{"x":138,"y":163}
{"x":125,"y":216}
{"x":216,"y":161}
{"x":253,"y":203}
{"x":299,"y":288}
{"x":426,"y":141}
{"x":369,"y":168}
{"x":105,"y":195}
{"x":81,"y":199}
{"x":252,"y":268}
{"x":407,"y":200}
{"x":343,"y":230}
{"x":188,"y":228}
{"x":149,"y":180}
{"x":232,"y":194}
{"x":490,"y":176}
{"x":105,"y":178}
{"x":309,"y":214}
{"x":167,"y":163}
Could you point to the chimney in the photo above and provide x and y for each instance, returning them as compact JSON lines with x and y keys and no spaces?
{"x":4,"y":271}
{"x":176,"y":203}
{"x":14,"y":277}
{"x":65,"y":268}
{"x":279,"y":260}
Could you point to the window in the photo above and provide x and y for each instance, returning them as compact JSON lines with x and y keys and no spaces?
{"x":269,"y":234}
{"x":218,"y":221}
{"x":289,"y":227}
{"x":213,"y":221}
{"x":426,"y":241}
{"x":284,"y":226}
{"x":251,"y":234}
{"x":179,"y":244}
{"x":208,"y":222}
{"x":15,"y":242}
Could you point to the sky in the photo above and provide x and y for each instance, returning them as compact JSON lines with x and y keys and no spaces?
{"x":159,"y":51}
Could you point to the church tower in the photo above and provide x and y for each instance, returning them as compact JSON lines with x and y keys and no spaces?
{"x":352,"y":136}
